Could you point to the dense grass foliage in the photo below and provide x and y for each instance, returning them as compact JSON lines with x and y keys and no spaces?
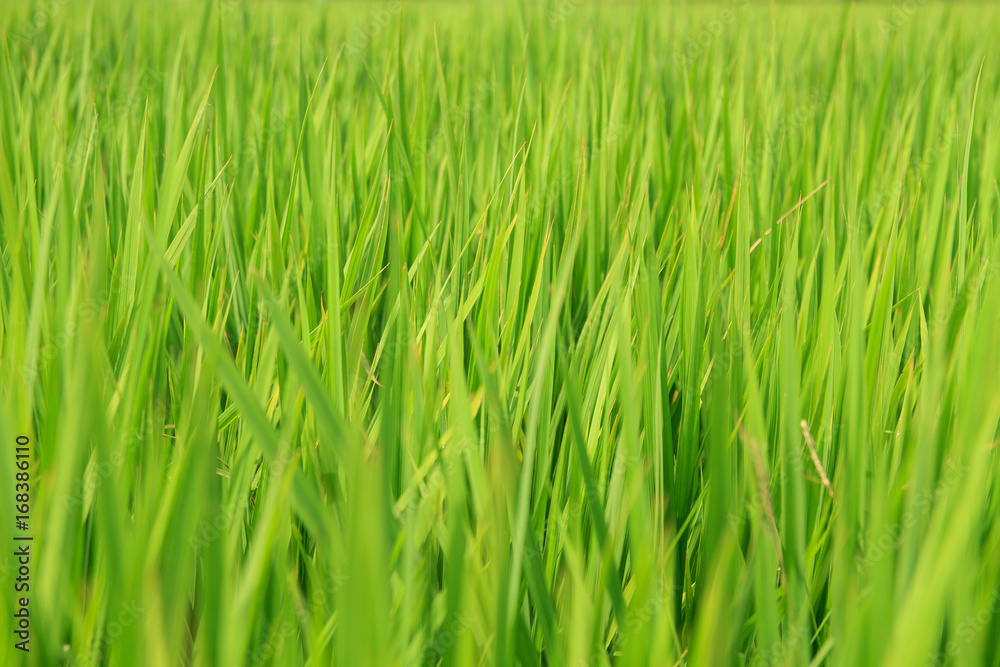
{"x":501,"y":334}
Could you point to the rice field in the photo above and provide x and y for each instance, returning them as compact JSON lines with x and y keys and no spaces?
{"x":503,"y":333}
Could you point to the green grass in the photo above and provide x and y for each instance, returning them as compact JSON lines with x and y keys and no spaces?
{"x":501,"y":333}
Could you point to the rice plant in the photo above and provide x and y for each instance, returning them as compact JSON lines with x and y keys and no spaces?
{"x":463,"y":333}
